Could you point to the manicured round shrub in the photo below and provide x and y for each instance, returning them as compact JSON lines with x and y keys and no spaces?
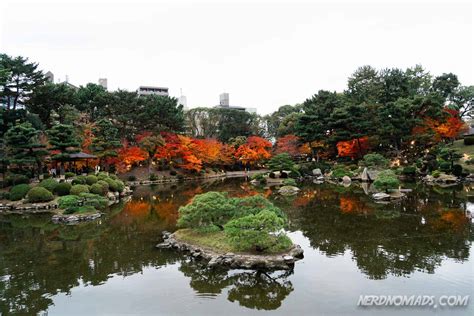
{"x":340,"y":172}
{"x":94,"y":200}
{"x":113,"y":176}
{"x":39,"y":194}
{"x":468,"y":140}
{"x":91,"y":179}
{"x":104,"y":185}
{"x":4,"y":195}
{"x":63,"y":188}
{"x":78,"y":189}
{"x":436,"y":173}
{"x":96,"y":188}
{"x":457,"y":170}
{"x":113,"y":185}
{"x":69,"y":175}
{"x":409,"y":170}
{"x":79,"y":180}
{"x":68,"y":201}
{"x":49,"y":184}
{"x":19,"y":191}
{"x":120,"y":185}
{"x":374,"y":161}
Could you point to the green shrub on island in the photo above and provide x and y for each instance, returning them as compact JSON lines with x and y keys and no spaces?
{"x":436,"y":173}
{"x":250,"y":223}
{"x":260,"y":177}
{"x":97,"y":201}
{"x":49,"y":184}
{"x":78,"y":189}
{"x":91,"y":179}
{"x":19,"y":191}
{"x":68,"y":201}
{"x":102,"y":176}
{"x":283,"y":162}
{"x":69,"y":175}
{"x":341,"y":171}
{"x":257,"y":232}
{"x":152,"y":177}
{"x":290,"y":181}
{"x":374,"y":161}
{"x":113,"y":176}
{"x":39,"y":194}
{"x":63,"y":188}
{"x":84,"y":199}
{"x":4,"y":195}
{"x":96,"y":188}
{"x":457,"y":170}
{"x":79,"y":180}
{"x":386,"y":180}
{"x":444,"y":166}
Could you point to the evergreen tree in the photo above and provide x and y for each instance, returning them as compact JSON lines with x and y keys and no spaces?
{"x":24,"y":147}
{"x":105,"y":141}
{"x":64,"y":139}
{"x":150,"y":144}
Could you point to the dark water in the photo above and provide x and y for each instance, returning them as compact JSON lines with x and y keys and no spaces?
{"x":353,"y":246}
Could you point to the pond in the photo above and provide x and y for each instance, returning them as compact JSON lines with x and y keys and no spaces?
{"x":353,"y":246}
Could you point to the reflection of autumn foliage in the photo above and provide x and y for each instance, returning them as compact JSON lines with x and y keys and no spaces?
{"x":167,"y":210}
{"x":353,"y":148}
{"x":351,"y":204}
{"x":452,"y":220}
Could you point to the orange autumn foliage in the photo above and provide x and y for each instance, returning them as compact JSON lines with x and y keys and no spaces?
{"x":450,"y":128}
{"x":289,"y":144}
{"x":353,"y":148}
{"x":254,"y":150}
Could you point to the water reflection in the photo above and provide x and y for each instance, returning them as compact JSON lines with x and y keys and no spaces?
{"x":39,"y":259}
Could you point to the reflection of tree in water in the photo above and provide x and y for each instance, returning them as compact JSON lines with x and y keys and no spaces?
{"x":252,"y":289}
{"x":398,"y":238}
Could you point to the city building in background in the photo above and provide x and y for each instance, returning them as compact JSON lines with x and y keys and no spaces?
{"x":149,"y":90}
{"x":103,"y":83}
{"x":224,"y":103}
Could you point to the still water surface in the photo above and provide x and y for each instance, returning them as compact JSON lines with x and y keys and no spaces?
{"x":353,"y":246}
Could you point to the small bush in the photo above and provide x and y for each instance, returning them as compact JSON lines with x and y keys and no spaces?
{"x":19,"y":191}
{"x":468,"y":140}
{"x":69,"y":175}
{"x":63,"y":188}
{"x":68,"y":201}
{"x":79,"y":180}
{"x":49,"y":184}
{"x":445,"y":166}
{"x":104,"y":185}
{"x":386,"y":180}
{"x":91,"y":179}
{"x":153,"y":177}
{"x":94,"y":200}
{"x":39,"y":194}
{"x":96,"y":188}
{"x":289,"y":181}
{"x":113,"y":186}
{"x":436,"y":173}
{"x":173,"y":172}
{"x":120,"y":185}
{"x":374,"y":160}
{"x":102,"y":176}
{"x":78,"y":189}
{"x":15,"y":179}
{"x":340,"y":171}
{"x":457,"y":170}
{"x":113,"y":176}
{"x":132,"y":178}
{"x":4,"y":195}
{"x":409,"y":170}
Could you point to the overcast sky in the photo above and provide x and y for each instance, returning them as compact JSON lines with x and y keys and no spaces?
{"x":264,"y":53}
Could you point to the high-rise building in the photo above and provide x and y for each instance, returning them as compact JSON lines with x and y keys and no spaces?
{"x":224,"y":99}
{"x":184,"y":102}
{"x":148,"y":90}
{"x":103,"y":83}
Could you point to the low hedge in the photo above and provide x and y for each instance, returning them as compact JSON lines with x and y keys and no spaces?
{"x":78,"y":189}
{"x":49,"y":184}
{"x":63,"y":188}
{"x":14,"y":179}
{"x":39,"y":194}
{"x":19,"y":191}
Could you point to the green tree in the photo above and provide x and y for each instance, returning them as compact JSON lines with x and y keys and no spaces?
{"x":463,"y":101}
{"x":19,"y":79}
{"x":93,"y":99}
{"x":281,"y":162}
{"x":150,"y":144}
{"x":64,"y":139}
{"x":124,"y":111}
{"x":160,"y":113}
{"x":282,"y":122}
{"x":386,"y":180}
{"x":365,"y":85}
{"x":23,"y":146}
{"x":48,"y":99}
{"x":446,"y":85}
{"x":105,"y":141}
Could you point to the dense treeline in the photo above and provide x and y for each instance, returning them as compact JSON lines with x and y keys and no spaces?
{"x":387,"y":111}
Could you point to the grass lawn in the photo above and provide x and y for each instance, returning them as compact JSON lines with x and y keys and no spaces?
{"x":462,"y":149}
{"x":217,"y":241}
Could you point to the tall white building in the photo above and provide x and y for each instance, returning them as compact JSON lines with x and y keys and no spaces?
{"x":103,"y":83}
{"x":225,"y":104}
{"x":184,"y":102}
{"x":224,"y":99}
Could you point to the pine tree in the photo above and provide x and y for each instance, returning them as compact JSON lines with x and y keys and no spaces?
{"x":23,"y":146}
{"x":64,"y":139}
{"x":105,"y":141}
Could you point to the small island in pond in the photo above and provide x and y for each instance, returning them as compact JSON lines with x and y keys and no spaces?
{"x":234,"y":232}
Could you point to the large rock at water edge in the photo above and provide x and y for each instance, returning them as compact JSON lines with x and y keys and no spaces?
{"x":317,"y":172}
{"x":288,"y":190}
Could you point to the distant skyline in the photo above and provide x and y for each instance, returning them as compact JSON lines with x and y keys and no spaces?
{"x":263,"y":53}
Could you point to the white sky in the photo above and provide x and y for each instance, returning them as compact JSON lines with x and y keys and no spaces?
{"x":264,"y":53}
